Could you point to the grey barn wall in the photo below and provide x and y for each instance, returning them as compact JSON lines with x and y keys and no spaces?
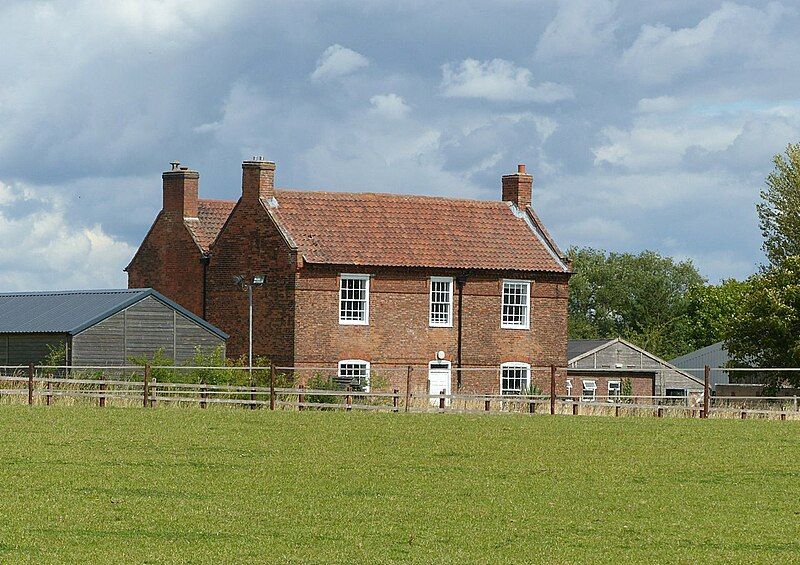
{"x":713,"y":355}
{"x":139,"y":331}
{"x":21,"y":349}
{"x":631,"y":359}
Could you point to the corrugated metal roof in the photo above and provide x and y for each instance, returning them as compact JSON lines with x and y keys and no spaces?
{"x":576,"y":347}
{"x":72,"y":311}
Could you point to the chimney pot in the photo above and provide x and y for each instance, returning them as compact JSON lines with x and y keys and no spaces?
{"x":180,"y":188}
{"x":521,"y":168}
{"x":258,"y":179}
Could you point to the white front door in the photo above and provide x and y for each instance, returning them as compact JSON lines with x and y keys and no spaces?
{"x":439,"y":380}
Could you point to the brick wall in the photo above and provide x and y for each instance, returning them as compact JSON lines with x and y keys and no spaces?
{"x":250,"y":244}
{"x":169,"y":261}
{"x":399,"y":334}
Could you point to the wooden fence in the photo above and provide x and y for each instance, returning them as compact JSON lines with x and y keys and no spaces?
{"x":135,"y":385}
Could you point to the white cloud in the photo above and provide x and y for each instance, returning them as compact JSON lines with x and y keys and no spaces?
{"x":243,"y":107}
{"x":390,"y":106}
{"x":498,"y":80}
{"x":44,"y":248}
{"x":699,"y":137}
{"x":337,"y":61}
{"x":660,"y":143}
{"x":581,"y":27}
{"x":660,"y":54}
{"x":658,"y":104}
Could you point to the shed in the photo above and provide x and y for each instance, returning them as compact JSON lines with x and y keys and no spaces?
{"x":100,"y":327}
{"x":714,"y":355}
{"x":614,"y":359}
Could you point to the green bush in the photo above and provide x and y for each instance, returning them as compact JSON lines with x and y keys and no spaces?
{"x":321,"y":382}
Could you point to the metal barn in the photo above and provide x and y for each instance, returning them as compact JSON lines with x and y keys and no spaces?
{"x":100,"y":327}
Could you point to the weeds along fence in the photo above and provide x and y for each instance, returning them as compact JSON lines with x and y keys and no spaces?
{"x":390,"y":389}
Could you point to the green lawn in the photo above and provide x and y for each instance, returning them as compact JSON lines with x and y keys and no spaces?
{"x":164,"y":485}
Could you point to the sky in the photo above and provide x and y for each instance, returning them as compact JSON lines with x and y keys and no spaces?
{"x":646,"y":125}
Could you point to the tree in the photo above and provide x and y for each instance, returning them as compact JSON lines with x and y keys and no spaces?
{"x":766,"y":330}
{"x":642,"y":298}
{"x":779,"y":213}
{"x":711,"y":311}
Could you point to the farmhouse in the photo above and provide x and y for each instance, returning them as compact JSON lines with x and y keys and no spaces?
{"x":99,"y":327}
{"x":368,"y":280}
{"x":600,"y":368}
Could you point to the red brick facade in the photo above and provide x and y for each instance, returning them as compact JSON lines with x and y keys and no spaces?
{"x":296,"y":314}
{"x":170,"y":262}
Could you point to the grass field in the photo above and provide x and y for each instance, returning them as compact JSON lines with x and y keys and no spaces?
{"x":85,"y":484}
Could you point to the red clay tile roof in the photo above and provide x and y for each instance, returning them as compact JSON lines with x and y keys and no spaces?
{"x":211,"y":215}
{"x":414,"y":231}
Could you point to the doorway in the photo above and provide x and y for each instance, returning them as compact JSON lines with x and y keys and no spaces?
{"x":439,"y":376}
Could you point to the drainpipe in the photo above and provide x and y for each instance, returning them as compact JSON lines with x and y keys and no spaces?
{"x":205,"y":258}
{"x":461,"y":279}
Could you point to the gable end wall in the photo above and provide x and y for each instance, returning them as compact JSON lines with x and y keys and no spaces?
{"x":169,"y":261}
{"x":139,"y":331}
{"x":247,"y":245}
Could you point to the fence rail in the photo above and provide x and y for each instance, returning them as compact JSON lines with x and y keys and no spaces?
{"x":136,"y":385}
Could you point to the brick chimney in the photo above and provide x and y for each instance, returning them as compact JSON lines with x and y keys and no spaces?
{"x":180,"y":190}
{"x":517,"y":188}
{"x":258,"y":179}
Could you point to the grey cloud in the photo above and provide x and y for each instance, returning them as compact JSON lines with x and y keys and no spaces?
{"x":637,"y":123}
{"x":580,"y":27}
{"x":660,"y":54}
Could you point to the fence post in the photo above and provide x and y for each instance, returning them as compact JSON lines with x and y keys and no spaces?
{"x":574,"y":408}
{"x":30,"y":384}
{"x":795,"y":404}
{"x":146,"y":387}
{"x":441,"y":399}
{"x":102,"y":391}
{"x":395,"y":400}
{"x":49,"y":397}
{"x":153,"y":391}
{"x":706,"y":390}
{"x":301,"y":397}
{"x":660,"y":412}
{"x":783,"y":415}
{"x":532,"y":405}
{"x":616,"y":410}
{"x":408,"y":387}
{"x":486,"y":404}
{"x":348,"y":401}
{"x":744,"y":414}
{"x":272,"y":386}
{"x":203,"y":388}
{"x":552,"y":389}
